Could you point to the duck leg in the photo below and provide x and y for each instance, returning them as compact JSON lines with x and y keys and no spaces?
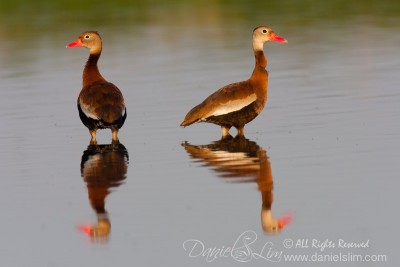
{"x":114,"y":135}
{"x":93,"y":139}
{"x":225,"y":131}
{"x":240,"y":131}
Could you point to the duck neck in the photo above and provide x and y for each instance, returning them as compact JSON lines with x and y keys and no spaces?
{"x":258,"y":48}
{"x":259,"y":77}
{"x":91,"y":72}
{"x":265,"y":181}
{"x":261,"y":60}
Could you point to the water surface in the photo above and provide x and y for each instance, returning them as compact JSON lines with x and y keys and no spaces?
{"x":329,"y":133}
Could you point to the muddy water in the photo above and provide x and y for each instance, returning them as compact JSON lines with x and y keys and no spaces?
{"x":323,"y":156}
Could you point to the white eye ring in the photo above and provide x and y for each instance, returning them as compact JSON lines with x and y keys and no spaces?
{"x":264,"y":31}
{"x":87,"y":36}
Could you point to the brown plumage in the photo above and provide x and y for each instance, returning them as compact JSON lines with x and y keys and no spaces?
{"x":100,"y":103}
{"x":238,"y":103}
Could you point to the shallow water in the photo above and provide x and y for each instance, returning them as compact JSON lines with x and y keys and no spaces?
{"x":329,"y":135}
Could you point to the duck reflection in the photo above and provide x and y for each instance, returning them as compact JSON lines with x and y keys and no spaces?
{"x":102,"y":168}
{"x":241,"y":160}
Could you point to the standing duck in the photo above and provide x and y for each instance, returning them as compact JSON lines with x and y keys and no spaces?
{"x":238,"y":103}
{"x":100,"y":103}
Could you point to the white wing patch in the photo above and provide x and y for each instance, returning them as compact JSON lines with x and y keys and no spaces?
{"x":232,"y":106}
{"x":89,"y":112}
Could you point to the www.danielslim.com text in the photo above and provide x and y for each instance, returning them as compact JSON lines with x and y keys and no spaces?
{"x":334,"y":257}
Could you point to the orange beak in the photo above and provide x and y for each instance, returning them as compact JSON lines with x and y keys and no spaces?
{"x":275,"y":38}
{"x":76,"y":43}
{"x":84,"y":228}
{"x":285,"y":220}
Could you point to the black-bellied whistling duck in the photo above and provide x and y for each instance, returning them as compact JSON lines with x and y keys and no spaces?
{"x":100,"y":103}
{"x":238,"y":103}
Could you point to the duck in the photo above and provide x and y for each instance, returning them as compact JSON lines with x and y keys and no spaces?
{"x":101,"y":104}
{"x":237,"y":104}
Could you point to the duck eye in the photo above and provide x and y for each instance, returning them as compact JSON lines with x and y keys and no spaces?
{"x":265,"y":31}
{"x":87,"y":36}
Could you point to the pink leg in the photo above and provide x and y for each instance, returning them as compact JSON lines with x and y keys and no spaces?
{"x":225,"y":131}
{"x":93,"y":139}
